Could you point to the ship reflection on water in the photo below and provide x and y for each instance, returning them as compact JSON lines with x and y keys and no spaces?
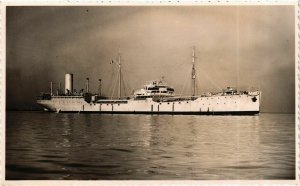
{"x":149,"y":147}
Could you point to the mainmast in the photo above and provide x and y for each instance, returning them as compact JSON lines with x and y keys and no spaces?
{"x":119,"y":65}
{"x":193,"y":72}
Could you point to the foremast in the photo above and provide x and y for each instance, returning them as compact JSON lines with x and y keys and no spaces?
{"x":118,"y":63}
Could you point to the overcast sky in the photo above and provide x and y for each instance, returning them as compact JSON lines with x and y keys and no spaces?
{"x":242,"y":46}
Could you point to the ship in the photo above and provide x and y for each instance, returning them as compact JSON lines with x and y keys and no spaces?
{"x":155,"y":97}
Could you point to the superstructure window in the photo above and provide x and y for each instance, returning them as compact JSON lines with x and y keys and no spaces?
{"x":153,"y":88}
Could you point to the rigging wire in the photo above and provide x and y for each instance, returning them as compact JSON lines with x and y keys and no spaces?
{"x":210,"y":80}
{"x":184,"y":85}
{"x":111,"y":78}
{"x":126,"y":86}
{"x":114,"y":86}
{"x":116,"y":81}
{"x":124,"y":83}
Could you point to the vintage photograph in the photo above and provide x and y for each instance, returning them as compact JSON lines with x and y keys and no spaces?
{"x":150,"y":92}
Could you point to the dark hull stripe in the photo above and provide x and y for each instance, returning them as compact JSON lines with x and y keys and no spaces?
{"x":168,"y":113}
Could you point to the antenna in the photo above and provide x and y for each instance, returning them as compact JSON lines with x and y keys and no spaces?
{"x":193,"y":72}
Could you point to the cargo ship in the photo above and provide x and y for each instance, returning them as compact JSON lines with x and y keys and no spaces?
{"x":155,"y":97}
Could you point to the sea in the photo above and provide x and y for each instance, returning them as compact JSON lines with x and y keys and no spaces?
{"x":51,"y":146}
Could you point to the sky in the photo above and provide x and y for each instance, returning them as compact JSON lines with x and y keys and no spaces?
{"x":248,"y":47}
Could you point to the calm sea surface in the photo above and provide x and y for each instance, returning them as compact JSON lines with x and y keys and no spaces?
{"x":149,"y":147}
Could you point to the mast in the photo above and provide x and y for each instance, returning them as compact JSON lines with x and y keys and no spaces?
{"x":119,"y":65}
{"x":59,"y":88}
{"x":51,"y":88}
{"x":193,"y":72}
{"x":100,"y":87}
{"x":87,"y":85}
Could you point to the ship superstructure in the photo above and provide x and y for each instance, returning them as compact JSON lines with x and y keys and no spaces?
{"x":156,"y":97}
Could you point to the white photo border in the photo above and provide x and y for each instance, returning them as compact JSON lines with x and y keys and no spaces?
{"x":5,"y":3}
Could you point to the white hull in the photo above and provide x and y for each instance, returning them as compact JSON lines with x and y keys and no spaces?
{"x":230,"y":104}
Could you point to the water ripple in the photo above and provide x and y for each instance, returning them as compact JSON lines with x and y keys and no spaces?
{"x":145,"y":147}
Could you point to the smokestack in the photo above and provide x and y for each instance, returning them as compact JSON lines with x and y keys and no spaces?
{"x":87,"y":85}
{"x":68,"y":83}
